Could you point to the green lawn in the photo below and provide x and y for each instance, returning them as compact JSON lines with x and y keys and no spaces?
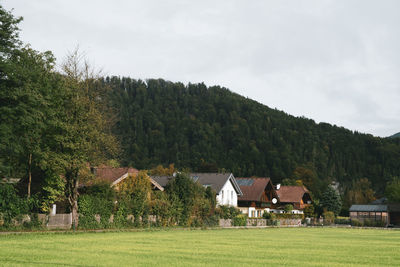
{"x":221,"y":247}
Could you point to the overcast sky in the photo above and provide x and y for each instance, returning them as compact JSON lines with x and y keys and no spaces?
{"x":331,"y":61}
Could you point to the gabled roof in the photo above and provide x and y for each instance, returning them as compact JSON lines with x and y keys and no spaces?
{"x":162,"y":180}
{"x":291,"y":194}
{"x":214,"y":180}
{"x":113,"y":175}
{"x":252,"y":188}
{"x":369,"y":208}
{"x":116,"y":175}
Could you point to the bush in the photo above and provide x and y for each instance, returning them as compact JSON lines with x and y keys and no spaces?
{"x":211,"y":221}
{"x":288,"y":208}
{"x":329,"y":217}
{"x":289,"y":216}
{"x":34,"y":223}
{"x":227,"y":212}
{"x":11,"y":205}
{"x":343,"y":220}
{"x":240,"y":220}
{"x":372,"y":223}
{"x":120,"y":216}
{"x":267,"y":215}
{"x":309,"y":211}
{"x":355,"y":222}
{"x":89,"y":206}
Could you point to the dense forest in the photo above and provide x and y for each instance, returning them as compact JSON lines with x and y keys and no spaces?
{"x":211,"y":128}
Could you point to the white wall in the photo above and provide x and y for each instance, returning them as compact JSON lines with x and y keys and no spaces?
{"x":227,"y":195}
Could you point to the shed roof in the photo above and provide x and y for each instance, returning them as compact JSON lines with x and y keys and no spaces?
{"x":369,"y":208}
{"x":252,"y":188}
{"x":291,"y":194}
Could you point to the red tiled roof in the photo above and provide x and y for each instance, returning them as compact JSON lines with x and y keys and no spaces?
{"x":254,"y":191}
{"x":291,"y":194}
{"x":111,"y":175}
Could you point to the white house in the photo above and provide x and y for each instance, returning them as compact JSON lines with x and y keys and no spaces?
{"x":224,"y":184}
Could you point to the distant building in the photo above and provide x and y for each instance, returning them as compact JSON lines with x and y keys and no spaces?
{"x":224,"y":184}
{"x":297,"y":196}
{"x":378,"y":210}
{"x":115,"y":176}
{"x":259,"y":196}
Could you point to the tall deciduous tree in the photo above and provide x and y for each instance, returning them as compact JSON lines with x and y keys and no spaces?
{"x":81,"y":132}
{"x":27,"y":84}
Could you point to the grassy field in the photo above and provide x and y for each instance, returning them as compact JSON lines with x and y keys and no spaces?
{"x":221,"y":247}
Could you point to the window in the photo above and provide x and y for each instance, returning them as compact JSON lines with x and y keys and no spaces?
{"x":222,"y":195}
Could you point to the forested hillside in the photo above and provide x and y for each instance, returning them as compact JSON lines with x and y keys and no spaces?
{"x":160,"y":122}
{"x":395,"y":135}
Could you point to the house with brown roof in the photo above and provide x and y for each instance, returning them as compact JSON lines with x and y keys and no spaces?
{"x":298,"y":196}
{"x":259,"y":196}
{"x":115,"y":176}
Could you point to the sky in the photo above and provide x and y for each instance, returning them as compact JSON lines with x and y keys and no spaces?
{"x":334,"y":61}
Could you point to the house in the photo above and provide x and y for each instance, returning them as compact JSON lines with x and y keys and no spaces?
{"x":372,"y":212}
{"x":116,"y":175}
{"x":297,"y":196}
{"x":224,"y":184}
{"x":378,"y":210}
{"x":259,"y":196}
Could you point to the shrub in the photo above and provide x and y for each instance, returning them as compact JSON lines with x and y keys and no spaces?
{"x":11,"y":205}
{"x":34,"y":223}
{"x":240,"y":220}
{"x":267,"y":215}
{"x":120,"y":216}
{"x":329,"y":217}
{"x":309,"y":211}
{"x":160,"y":207}
{"x":355,"y":222}
{"x":89,"y":206}
{"x":288,"y":216}
{"x":288,"y":208}
{"x":227,"y":212}
{"x":342,"y":220}
{"x":212,"y":220}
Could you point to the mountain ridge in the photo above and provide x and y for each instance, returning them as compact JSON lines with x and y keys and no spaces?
{"x":212,"y":128}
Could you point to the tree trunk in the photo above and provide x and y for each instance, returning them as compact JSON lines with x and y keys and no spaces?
{"x":72,"y":194}
{"x":29,"y":174}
